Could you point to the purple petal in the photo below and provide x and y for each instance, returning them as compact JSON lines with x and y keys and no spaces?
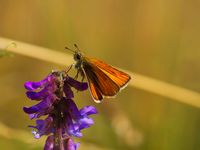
{"x":72,"y":129}
{"x":41,"y":108}
{"x":33,"y":95}
{"x":32,"y":85}
{"x":30,"y":110}
{"x":35,"y":85}
{"x":49,"y":145}
{"x":40,"y":122}
{"x":31,"y":116}
{"x":86,"y":121}
{"x":73,"y":132}
{"x":44,"y":127}
{"x":68,"y":92}
{"x":36,"y":134}
{"x":83,"y":126}
{"x":73,"y":109}
{"x":71,"y":145}
{"x":42,"y":94}
{"x":81,"y":86}
{"x":88,"y":110}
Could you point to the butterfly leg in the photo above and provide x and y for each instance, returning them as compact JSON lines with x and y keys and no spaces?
{"x":77,"y":74}
{"x":82,"y":75}
{"x":69,"y":68}
{"x":79,"y":71}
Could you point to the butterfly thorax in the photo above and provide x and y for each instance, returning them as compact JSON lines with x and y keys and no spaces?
{"x":78,"y":57}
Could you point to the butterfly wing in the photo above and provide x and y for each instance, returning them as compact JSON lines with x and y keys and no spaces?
{"x":119,"y":77}
{"x":95,"y":91}
{"x":100,"y":83}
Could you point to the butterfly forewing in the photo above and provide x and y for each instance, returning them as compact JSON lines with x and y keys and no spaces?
{"x":119,"y":77}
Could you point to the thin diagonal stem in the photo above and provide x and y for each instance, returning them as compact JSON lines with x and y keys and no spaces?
{"x":138,"y":81}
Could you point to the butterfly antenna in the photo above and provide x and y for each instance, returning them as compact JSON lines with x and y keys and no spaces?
{"x":77,"y":48}
{"x":67,"y":48}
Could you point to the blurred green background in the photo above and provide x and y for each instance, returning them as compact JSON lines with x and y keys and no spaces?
{"x":156,"y":38}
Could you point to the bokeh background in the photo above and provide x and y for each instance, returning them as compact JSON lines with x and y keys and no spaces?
{"x":156,"y":38}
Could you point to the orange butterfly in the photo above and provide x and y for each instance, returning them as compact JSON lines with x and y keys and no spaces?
{"x":103,"y":79}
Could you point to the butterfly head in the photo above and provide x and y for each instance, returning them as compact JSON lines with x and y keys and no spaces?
{"x":77,"y":53}
{"x":77,"y":56}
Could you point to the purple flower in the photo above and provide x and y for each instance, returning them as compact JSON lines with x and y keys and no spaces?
{"x":35,"y":85}
{"x":70,"y":145}
{"x":64,"y":119}
{"x":44,"y":127}
{"x":78,"y":120}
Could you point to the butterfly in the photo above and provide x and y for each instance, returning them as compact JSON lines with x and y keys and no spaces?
{"x":103,"y":79}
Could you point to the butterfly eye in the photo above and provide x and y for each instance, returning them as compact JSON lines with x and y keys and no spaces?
{"x":77,"y":56}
